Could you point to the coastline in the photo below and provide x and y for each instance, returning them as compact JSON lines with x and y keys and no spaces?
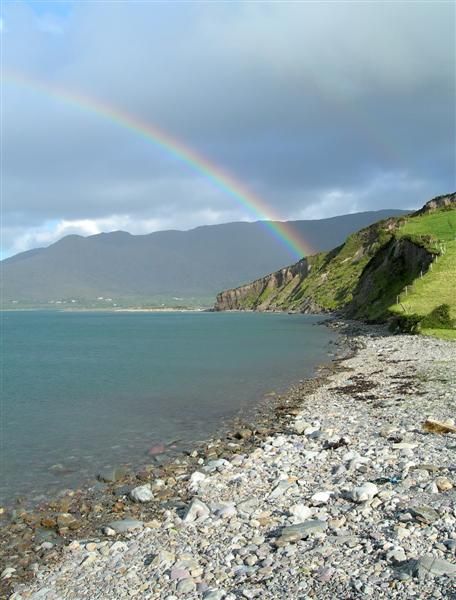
{"x":277,"y":436}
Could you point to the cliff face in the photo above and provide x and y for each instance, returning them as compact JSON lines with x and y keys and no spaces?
{"x":319,"y":283}
{"x":446,"y":201}
{"x":362,"y":277}
{"x":263,"y":294}
{"x":394,"y":266}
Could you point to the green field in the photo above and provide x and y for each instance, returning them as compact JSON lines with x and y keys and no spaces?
{"x":438,"y":285}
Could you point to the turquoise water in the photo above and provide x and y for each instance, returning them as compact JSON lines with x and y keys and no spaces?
{"x":86,"y":390}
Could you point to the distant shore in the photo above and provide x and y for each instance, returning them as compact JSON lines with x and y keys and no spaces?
{"x":335,"y":491}
{"x":106,"y":309}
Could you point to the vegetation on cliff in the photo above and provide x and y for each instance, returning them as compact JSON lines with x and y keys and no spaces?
{"x":403,"y":269}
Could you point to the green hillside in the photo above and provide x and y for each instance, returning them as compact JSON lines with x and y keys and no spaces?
{"x":438,"y":286}
{"x":400,"y":269}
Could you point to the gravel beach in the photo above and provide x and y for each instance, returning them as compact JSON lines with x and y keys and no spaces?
{"x":345,"y":495}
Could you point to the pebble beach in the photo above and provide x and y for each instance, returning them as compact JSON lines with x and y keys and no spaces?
{"x":341,"y":493}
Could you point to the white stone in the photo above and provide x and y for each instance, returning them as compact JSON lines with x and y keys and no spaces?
{"x":196,"y":480}
{"x":196,"y":510}
{"x":321,"y":498}
{"x":217,"y":465}
{"x":300,"y":512}
{"x":364,"y":493}
{"x":300,"y":426}
{"x":142,"y":493}
{"x":7,"y":573}
{"x":89,"y":559}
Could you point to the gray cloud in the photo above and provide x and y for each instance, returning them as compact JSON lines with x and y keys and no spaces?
{"x":319,"y":108}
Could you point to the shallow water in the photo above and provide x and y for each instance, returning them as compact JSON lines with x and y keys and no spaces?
{"x":86,"y":390}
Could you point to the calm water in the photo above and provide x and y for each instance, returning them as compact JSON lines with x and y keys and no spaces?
{"x":86,"y":390}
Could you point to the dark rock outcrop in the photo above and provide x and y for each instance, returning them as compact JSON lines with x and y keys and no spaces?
{"x":259,"y":294}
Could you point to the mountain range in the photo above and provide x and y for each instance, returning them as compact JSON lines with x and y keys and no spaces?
{"x":172,"y":268}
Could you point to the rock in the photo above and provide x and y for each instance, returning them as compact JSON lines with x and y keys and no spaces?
{"x":424,"y":513}
{"x":124,"y":526}
{"x":111,"y":474}
{"x":312,"y":432}
{"x":436,"y":566}
{"x":89,"y":559}
{"x":404,"y":446}
{"x":219,"y":464}
{"x":301,"y":512}
{"x":280,"y":488}
{"x":443,"y":484}
{"x":334,"y":443}
{"x":325,"y":574}
{"x":364,"y":493}
{"x":142,"y":493}
{"x":431,"y":488}
{"x":7,"y":573}
{"x":433,"y":426}
{"x":300,"y":531}
{"x":243,"y":434}
{"x":67,"y":520}
{"x":197,"y":510}
{"x":321,"y":498}
{"x":299,"y":426}
{"x":214,"y":595}
{"x":249,"y":506}
{"x":178,"y":574}
{"x":156,"y":450}
{"x":163,"y":558}
{"x":91,"y":547}
{"x":224,"y":510}
{"x":428,"y":565}
{"x":396,"y":555}
{"x":196,"y":479}
{"x":47,"y":546}
{"x":186,"y":586}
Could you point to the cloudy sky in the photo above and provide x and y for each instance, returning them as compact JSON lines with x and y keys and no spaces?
{"x":318,"y":108}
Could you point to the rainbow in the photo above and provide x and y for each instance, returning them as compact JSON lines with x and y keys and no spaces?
{"x":256,"y":207}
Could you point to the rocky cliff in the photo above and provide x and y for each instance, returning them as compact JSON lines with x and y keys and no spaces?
{"x":362,"y":277}
{"x":262,"y":294}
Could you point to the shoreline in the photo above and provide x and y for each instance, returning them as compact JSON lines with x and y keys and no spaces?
{"x":173,"y":495}
{"x":262,"y":420}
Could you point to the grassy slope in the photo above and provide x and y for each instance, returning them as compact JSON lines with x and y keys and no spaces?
{"x":334,"y":275}
{"x":438,"y":285}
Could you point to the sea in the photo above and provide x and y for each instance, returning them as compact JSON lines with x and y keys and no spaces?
{"x":82,"y":391}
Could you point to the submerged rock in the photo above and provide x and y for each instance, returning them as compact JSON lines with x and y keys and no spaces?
{"x":67,"y":520}
{"x":111,"y":474}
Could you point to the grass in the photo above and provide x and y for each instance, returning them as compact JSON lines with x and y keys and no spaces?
{"x":444,"y":334}
{"x":335,"y":280}
{"x":438,"y":285}
{"x":441,"y":224}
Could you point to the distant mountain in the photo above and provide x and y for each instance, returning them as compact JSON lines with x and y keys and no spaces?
{"x":165,"y":267}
